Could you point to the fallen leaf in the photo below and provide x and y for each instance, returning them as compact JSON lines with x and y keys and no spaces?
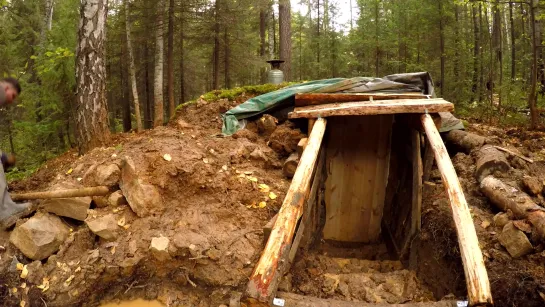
{"x":23,"y":285}
{"x":485,"y":224}
{"x":252,"y":179}
{"x":69,"y":171}
{"x":69,"y":280}
{"x":262,"y":205}
{"x":127,"y":226}
{"x":224,"y":167}
{"x":264,"y":188}
{"x":45,"y":284}
{"x":167,"y":157}
{"x":121,"y":222}
{"x":205,"y":160}
{"x":22,"y":304}
{"x":14,"y":290}
{"x":24,"y":273}
{"x":19,"y":266}
{"x":272,"y":196}
{"x":112,"y":251}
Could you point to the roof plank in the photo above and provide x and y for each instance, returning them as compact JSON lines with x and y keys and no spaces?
{"x":396,"y":106}
{"x":309,"y":99}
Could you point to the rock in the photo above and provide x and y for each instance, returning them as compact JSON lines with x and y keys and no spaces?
{"x":40,"y":236}
{"x":266,"y":124}
{"x":257,"y":154}
{"x":144,"y":199}
{"x":103,"y":174}
{"x":101,"y":201}
{"x":104,"y":226}
{"x":117,"y":199}
{"x":182,"y":124}
{"x":532,"y":185}
{"x":159,"y":248}
{"x":75,"y":208}
{"x":515,"y":241}
{"x":501,"y":219}
{"x":189,"y":243}
{"x":331,"y":283}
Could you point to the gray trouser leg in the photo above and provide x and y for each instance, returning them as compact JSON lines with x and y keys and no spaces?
{"x":10,"y":211}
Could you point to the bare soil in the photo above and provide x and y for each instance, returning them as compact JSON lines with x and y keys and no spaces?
{"x":211,"y":196}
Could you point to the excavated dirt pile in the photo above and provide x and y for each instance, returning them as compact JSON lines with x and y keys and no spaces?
{"x":184,"y":224}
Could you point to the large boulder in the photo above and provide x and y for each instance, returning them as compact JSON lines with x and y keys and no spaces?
{"x":75,"y":208}
{"x":103,"y":174}
{"x":105,"y":226}
{"x":40,"y":236}
{"x":144,"y":199}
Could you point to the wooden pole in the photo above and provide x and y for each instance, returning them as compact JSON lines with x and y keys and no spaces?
{"x":416,"y":212}
{"x":478,"y":286}
{"x":274,"y":260}
{"x":91,"y":191}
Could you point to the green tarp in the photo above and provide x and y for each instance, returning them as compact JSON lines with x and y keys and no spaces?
{"x":410,"y":82}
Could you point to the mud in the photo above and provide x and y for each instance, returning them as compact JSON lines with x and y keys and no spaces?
{"x":213,"y":203}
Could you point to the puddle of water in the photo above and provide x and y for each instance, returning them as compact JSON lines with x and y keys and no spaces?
{"x":135,"y":303}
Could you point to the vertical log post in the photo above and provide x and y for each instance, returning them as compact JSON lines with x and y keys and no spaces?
{"x":478,"y":286}
{"x":274,"y":260}
{"x":416,"y":212}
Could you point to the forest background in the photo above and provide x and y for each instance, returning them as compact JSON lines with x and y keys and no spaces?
{"x":485,"y":56}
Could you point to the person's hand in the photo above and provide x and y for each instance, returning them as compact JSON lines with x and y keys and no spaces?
{"x":8,"y":160}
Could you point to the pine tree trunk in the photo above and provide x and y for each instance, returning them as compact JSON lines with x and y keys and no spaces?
{"x":377,"y":50}
{"x":226,"y":56}
{"x":532,"y":97}
{"x":216,"y":55}
{"x":513,"y":45}
{"x":481,"y":56}
{"x":497,"y":66}
{"x":442,"y":46}
{"x":182,"y":55}
{"x":476,"y":52}
{"x":284,"y":13}
{"x":262,"y":40}
{"x":92,"y":115}
{"x":148,"y":95}
{"x":125,"y":99}
{"x":170,"y":60}
{"x":159,"y":61}
{"x":456,"y":44}
{"x":132,"y":70}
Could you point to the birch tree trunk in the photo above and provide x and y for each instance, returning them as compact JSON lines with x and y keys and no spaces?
{"x":91,"y":113}
{"x":132,"y":72}
{"x":159,"y":59}
{"x":170,"y":60}
{"x":284,"y":18}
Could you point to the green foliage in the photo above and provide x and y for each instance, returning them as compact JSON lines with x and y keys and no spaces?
{"x":232,"y":94}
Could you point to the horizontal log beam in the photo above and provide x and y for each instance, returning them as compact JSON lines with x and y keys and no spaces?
{"x":478,"y":285}
{"x":311,"y":99}
{"x":274,"y":260}
{"x":82,"y":192}
{"x":399,"y":106}
{"x":296,"y":300}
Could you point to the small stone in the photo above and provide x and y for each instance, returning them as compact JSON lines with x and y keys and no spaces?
{"x":101,"y":201}
{"x":257,"y":154}
{"x":266,"y":124}
{"x":532,"y":185}
{"x":331,"y":283}
{"x":117,"y":199}
{"x":213,"y":254}
{"x":75,"y":208}
{"x":501,"y":219}
{"x":159,"y":248}
{"x":104,"y":227}
{"x":40,"y":236}
{"x":515,"y":241}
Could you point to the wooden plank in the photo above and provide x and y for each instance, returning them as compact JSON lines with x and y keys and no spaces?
{"x":416,"y":212}
{"x":296,"y":300}
{"x":310,"y":99}
{"x":398,"y":106}
{"x":428,"y":162}
{"x":308,"y":209}
{"x":478,"y":286}
{"x":302,"y":145}
{"x":358,"y":152}
{"x":273,"y":262}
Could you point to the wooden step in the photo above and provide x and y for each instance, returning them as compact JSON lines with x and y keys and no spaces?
{"x":296,"y":300}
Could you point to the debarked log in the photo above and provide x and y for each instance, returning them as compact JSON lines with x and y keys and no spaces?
{"x":506,"y":198}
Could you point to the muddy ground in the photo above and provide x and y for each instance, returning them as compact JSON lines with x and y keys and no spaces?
{"x":216,"y":198}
